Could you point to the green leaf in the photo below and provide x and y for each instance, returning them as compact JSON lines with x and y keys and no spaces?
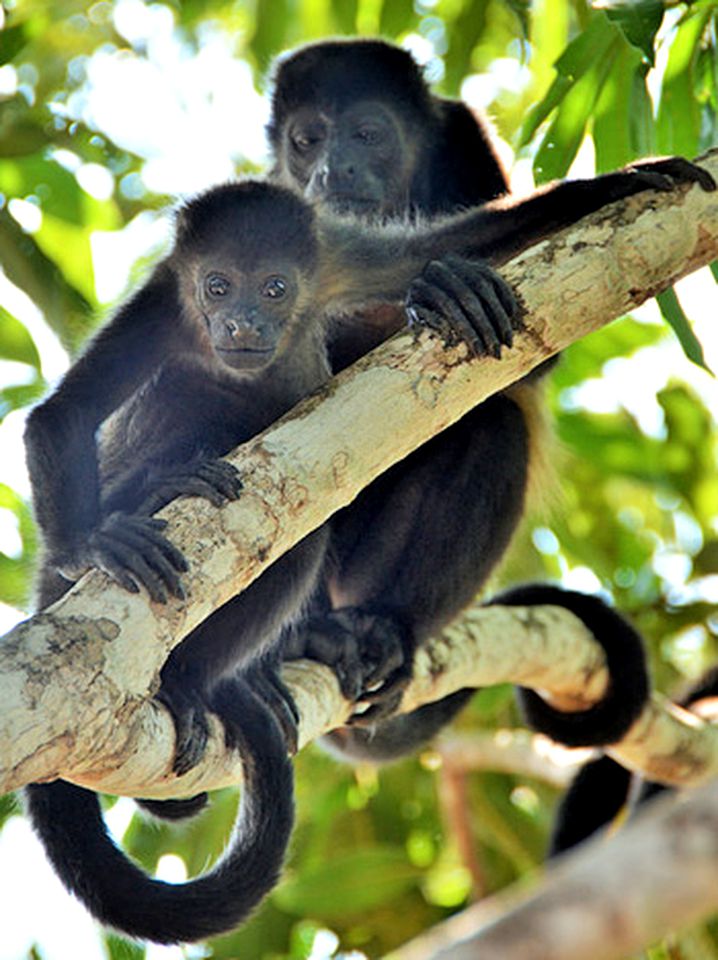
{"x":714,"y":270}
{"x":623,"y":111}
{"x":15,"y":342}
{"x":561,"y":142}
{"x":580,"y":56}
{"x":12,"y":40}
{"x":67,"y":312}
{"x":639,"y":21}
{"x":586,"y":358}
{"x":345,"y":14}
{"x":56,"y":188}
{"x":679,"y":115}
{"x":397,"y":16}
{"x":463,"y":33}
{"x":349,"y":883}
{"x":270,"y":30}
{"x":674,"y":315}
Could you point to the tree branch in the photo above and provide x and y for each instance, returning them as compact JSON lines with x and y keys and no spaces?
{"x":76,"y":680}
{"x":606,"y":901}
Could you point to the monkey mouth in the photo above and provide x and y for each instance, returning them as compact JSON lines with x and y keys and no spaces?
{"x":344,"y":203}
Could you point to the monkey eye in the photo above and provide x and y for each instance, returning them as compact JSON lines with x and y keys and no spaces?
{"x":274,"y":288}
{"x":216,"y":285}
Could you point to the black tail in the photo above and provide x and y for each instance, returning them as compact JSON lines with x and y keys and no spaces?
{"x":610,"y":719}
{"x":117,"y":892}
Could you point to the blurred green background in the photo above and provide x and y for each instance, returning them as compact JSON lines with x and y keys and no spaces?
{"x":108,"y":113}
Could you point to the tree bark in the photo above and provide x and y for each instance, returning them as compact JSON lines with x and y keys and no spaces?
{"x":77,"y":679}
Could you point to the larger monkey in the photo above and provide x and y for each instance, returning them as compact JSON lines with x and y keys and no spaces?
{"x":224,"y":336}
{"x":353,"y":125}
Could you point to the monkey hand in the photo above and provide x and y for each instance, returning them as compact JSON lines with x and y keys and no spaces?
{"x":134,"y":552}
{"x":665,"y":173}
{"x":215,"y":480}
{"x":464,"y":301}
{"x":371,"y":653}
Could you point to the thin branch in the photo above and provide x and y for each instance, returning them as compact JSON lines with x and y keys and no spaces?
{"x":77,"y":678}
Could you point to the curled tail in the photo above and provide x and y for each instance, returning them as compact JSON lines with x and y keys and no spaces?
{"x":117,"y":892}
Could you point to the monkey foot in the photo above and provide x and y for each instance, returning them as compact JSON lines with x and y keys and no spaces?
{"x":267,"y":686}
{"x":370,"y":652}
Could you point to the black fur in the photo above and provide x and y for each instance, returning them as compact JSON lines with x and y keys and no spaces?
{"x":418,"y":544}
{"x":180,"y":405}
{"x":602,"y":787}
{"x":224,"y":337}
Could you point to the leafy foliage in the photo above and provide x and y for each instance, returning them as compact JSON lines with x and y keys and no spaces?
{"x":377,"y":856}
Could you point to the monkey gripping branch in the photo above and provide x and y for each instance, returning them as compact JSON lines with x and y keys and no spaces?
{"x":77,"y":680}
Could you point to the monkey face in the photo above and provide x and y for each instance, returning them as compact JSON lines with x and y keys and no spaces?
{"x":248,"y":314}
{"x":356,"y":157}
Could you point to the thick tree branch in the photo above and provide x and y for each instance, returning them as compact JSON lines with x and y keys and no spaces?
{"x":75,"y":680}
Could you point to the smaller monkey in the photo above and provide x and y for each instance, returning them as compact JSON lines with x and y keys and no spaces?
{"x":218,"y":344}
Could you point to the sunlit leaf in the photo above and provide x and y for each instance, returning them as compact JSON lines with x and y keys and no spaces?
{"x":638,"y":19}
{"x":15,"y":342}
{"x":675,"y":316}
{"x":579,"y":57}
{"x":623,"y":119}
{"x":67,"y":312}
{"x":679,"y":114}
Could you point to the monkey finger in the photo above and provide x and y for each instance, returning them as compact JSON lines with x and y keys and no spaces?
{"x":678,"y":170}
{"x":142,"y":533}
{"x":481,"y":276}
{"x":448,"y":321}
{"x":122,"y":562}
{"x":150,"y":559}
{"x":463,"y":309}
{"x":475,"y":291}
{"x":223,"y":476}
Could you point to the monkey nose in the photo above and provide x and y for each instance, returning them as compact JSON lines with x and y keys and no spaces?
{"x":232,"y":327}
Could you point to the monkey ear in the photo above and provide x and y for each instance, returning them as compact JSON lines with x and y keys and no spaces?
{"x":465,"y":159}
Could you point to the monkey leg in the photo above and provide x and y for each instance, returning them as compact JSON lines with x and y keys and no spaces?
{"x":243,"y":634}
{"x":412,"y":551}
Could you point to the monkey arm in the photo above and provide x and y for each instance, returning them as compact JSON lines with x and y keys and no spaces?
{"x":61,"y":433}
{"x":363,"y":263}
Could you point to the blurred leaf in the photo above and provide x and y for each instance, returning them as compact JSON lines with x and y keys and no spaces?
{"x":586,"y":359}
{"x":396,"y":17}
{"x":20,"y":395}
{"x":8,"y":807}
{"x":579,"y":57}
{"x":345,"y":14}
{"x":706,"y":561}
{"x":348,"y":883}
{"x":15,"y":342}
{"x":12,"y":40}
{"x":68,"y":246}
{"x":121,"y":949}
{"x":270,"y":30}
{"x":56,"y":188}
{"x":20,"y":135}
{"x":67,"y":312}
{"x":462,"y":34}
{"x":638,"y":19}
{"x":673,"y":313}
{"x":679,"y":115}
{"x":623,"y":117}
